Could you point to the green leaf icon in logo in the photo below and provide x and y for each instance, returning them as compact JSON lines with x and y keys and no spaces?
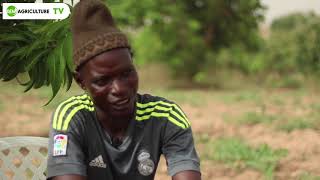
{"x":11,"y":11}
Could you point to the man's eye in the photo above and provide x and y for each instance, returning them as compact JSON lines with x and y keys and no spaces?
{"x":101,"y":82}
{"x":127,"y":73}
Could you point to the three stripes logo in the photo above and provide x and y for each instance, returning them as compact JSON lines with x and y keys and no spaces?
{"x":159,"y":109}
{"x":162,"y":109}
{"x":98,"y":162}
{"x":68,"y":109}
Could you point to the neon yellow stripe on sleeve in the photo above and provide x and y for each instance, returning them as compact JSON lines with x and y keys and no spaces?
{"x":141,"y":112}
{"x":166,"y":115}
{"x":64,"y":110}
{"x":55,"y":117}
{"x":73,"y":112}
{"x":160,"y":102}
{"x":185,"y":119}
{"x":152,"y":109}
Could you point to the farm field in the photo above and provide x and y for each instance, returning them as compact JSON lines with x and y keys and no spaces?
{"x":247,"y":134}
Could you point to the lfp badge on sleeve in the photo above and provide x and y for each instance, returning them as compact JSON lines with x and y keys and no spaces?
{"x":60,"y":142}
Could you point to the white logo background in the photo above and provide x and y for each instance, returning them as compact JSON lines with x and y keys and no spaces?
{"x":56,"y":10}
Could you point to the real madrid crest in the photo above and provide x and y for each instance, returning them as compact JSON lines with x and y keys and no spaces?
{"x":146,"y":165}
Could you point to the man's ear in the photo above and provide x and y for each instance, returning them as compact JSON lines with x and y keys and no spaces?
{"x":79,"y":79}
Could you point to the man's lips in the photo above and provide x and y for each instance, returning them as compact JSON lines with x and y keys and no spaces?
{"x":121,"y":104}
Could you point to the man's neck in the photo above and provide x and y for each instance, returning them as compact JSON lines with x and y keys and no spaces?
{"x":115,"y":126}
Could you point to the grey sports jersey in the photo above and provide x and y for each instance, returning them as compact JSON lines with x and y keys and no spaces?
{"x":160,"y":127}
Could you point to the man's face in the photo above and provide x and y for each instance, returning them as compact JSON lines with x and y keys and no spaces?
{"x":112,"y":81}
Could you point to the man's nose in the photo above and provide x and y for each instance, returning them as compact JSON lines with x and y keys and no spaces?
{"x":118,"y":87}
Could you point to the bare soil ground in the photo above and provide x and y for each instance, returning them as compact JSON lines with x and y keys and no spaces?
{"x":22,"y":114}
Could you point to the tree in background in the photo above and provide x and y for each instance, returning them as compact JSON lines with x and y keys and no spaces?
{"x":183,"y":34}
{"x":192,"y":37}
{"x":294,"y":44}
{"x":188,"y":34}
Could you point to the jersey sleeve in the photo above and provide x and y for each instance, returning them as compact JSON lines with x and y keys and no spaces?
{"x":178,"y":145}
{"x":65,"y":154}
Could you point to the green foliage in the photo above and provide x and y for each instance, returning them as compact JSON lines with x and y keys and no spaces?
{"x":285,"y":59}
{"x":294,"y":45}
{"x":185,"y":34}
{"x":42,"y":49}
{"x":240,"y":155}
{"x":238,"y":57}
{"x":145,"y":38}
{"x":197,"y":39}
{"x":291,"y":53}
{"x":289,"y":22}
{"x":292,"y":81}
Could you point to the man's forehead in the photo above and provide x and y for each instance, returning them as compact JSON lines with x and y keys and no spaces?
{"x":109,"y":62}
{"x":114,"y":53}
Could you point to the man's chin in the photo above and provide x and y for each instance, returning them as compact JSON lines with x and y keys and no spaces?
{"x":122,"y":114}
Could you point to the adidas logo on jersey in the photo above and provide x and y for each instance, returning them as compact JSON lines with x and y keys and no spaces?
{"x":98,"y":162}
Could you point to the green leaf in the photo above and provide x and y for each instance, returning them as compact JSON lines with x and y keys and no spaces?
{"x":20,"y":52}
{"x":34,"y":59}
{"x":11,"y":72}
{"x":67,"y":53}
{"x":62,"y":63}
{"x":55,"y":74}
{"x":4,"y":62}
{"x":68,"y":80}
{"x":43,"y":29}
{"x":37,"y":45}
{"x":3,"y":53}
{"x":67,"y":47}
{"x":30,"y":83}
{"x":40,"y":77}
{"x":54,"y":27}
{"x":12,"y":37}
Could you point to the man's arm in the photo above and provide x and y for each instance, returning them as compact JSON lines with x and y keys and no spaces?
{"x":69,"y":177}
{"x":187,"y":175}
{"x":178,"y":147}
{"x":65,"y":154}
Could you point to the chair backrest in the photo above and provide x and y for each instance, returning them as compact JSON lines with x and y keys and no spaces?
{"x":23,"y":157}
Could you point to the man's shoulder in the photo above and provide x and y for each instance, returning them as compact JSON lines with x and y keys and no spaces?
{"x":146,"y":98}
{"x":149,"y":106}
{"x":68,"y":109}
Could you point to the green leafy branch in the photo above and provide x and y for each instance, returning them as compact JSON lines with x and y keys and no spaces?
{"x":41,"y":49}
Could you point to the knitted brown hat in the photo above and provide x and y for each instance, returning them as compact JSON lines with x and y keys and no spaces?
{"x":94,"y":31}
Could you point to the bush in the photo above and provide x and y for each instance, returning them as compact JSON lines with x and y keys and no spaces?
{"x":294,"y":45}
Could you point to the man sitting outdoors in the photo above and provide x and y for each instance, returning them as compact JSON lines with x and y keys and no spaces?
{"x":112,"y":132}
